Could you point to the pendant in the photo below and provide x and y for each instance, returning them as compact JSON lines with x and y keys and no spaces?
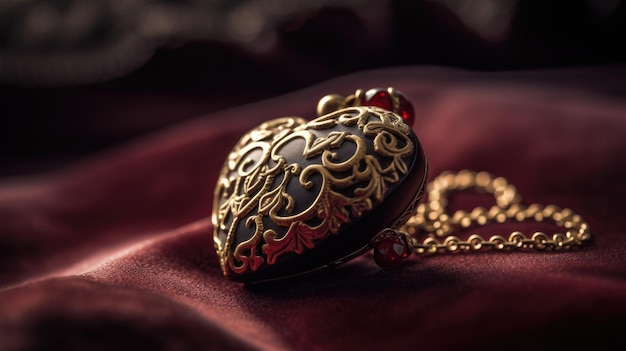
{"x":295,"y":196}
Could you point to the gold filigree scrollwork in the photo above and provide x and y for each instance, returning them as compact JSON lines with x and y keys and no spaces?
{"x":335,"y":160}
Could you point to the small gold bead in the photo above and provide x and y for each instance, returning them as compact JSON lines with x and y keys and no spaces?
{"x":330,"y":103}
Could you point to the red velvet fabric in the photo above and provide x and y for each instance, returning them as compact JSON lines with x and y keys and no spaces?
{"x":115,"y":252}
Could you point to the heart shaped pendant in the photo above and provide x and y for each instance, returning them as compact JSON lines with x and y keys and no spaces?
{"x":296,"y":196}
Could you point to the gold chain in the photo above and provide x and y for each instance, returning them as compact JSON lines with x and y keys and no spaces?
{"x":431,"y":218}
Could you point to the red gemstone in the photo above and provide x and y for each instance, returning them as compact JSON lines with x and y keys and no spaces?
{"x":380,"y":97}
{"x":390,"y":252}
{"x":405,"y":109}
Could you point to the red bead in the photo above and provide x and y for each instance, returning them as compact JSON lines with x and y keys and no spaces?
{"x":405,"y":109}
{"x":380,"y":97}
{"x":390,"y":252}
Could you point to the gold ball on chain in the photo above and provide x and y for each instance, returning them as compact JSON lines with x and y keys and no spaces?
{"x":330,"y":103}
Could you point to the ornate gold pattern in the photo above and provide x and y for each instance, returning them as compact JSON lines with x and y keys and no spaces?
{"x":345,"y":163}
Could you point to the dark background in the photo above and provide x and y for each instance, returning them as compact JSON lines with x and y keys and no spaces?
{"x":78,"y":77}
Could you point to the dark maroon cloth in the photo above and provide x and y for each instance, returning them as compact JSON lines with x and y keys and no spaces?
{"x":115,"y":252}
